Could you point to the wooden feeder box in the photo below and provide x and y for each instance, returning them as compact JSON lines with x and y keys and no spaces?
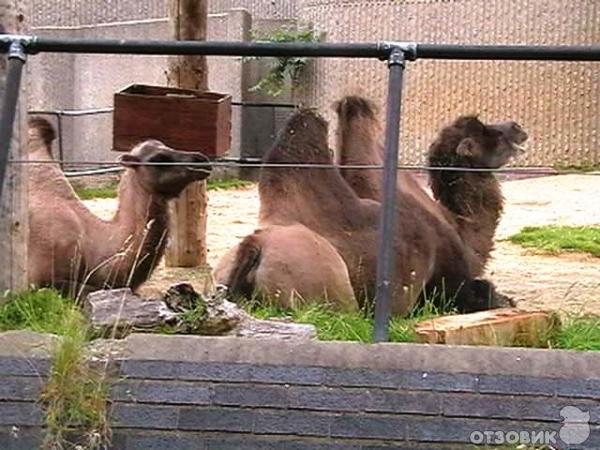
{"x":183,"y":119}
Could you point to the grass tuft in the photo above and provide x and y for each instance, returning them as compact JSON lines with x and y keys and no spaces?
{"x":578,"y":332}
{"x":75,"y":397}
{"x":557,"y":239}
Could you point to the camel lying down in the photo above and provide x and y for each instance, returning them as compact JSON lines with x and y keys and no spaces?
{"x":330,"y":212}
{"x":72,"y":249}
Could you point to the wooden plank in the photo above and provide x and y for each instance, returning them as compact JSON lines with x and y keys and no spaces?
{"x":187,"y":242}
{"x":502,"y":327}
{"x":13,"y":205}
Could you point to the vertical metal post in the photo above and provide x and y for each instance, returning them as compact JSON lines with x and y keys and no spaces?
{"x":387,"y":231}
{"x":16,"y":60}
{"x":61,"y":154}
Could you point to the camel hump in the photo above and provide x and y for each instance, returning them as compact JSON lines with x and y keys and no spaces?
{"x":43,"y":128}
{"x":241,"y":280}
{"x":354,"y":106}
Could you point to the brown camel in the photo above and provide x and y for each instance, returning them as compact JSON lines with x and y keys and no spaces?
{"x":72,"y":249}
{"x":275,"y":267}
{"x":322,"y":201}
{"x":474,"y":199}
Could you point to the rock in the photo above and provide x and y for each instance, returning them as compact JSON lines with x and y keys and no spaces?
{"x":186,"y":311}
{"x":120,"y":310}
{"x":264,"y":329}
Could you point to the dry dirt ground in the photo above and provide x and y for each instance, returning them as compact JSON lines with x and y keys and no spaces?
{"x":569,"y":282}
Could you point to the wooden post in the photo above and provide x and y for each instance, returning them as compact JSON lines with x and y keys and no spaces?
{"x":187,"y":245}
{"x":13,"y":204}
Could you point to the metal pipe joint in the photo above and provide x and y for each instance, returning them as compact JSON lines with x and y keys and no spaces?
{"x":397,"y":52}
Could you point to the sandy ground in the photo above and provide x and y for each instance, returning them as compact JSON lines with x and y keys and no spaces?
{"x":569,"y":282}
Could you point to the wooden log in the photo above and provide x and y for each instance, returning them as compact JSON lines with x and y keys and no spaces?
{"x":13,"y":204}
{"x":187,"y":228}
{"x":501,"y":327}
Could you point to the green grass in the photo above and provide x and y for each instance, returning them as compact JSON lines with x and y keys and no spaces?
{"x":107,"y":191}
{"x":586,"y":166}
{"x":43,"y":311}
{"x":334,"y":325}
{"x":227,"y":184}
{"x":75,"y":396}
{"x":110,"y":190}
{"x":578,"y":332}
{"x":558,"y":239}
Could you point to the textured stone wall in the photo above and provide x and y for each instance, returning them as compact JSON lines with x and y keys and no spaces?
{"x":46,"y":13}
{"x":558,"y":103}
{"x":227,"y":393}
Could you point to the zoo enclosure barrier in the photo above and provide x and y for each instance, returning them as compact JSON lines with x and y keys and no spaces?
{"x":396,"y":54}
{"x":269,"y":112}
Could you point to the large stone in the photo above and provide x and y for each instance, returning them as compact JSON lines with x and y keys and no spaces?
{"x":120,"y":310}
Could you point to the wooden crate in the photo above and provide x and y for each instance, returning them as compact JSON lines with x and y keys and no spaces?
{"x":183,"y":119}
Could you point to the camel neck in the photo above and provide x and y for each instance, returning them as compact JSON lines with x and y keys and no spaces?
{"x":140,"y":225}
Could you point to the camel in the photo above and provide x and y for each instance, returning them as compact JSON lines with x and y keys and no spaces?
{"x":322,"y":201}
{"x":72,"y":249}
{"x":474,"y":199}
{"x":273,"y":266}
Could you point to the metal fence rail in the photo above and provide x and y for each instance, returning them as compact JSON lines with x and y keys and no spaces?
{"x":395,"y":53}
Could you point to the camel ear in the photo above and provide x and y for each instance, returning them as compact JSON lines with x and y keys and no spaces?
{"x":128,"y":160}
{"x":467,"y":147}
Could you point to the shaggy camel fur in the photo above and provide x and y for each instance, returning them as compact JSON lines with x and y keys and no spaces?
{"x":474,"y":199}
{"x":322,"y":201}
{"x":73,"y":250}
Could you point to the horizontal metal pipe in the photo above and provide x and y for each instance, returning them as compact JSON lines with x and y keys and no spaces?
{"x":216,"y":48}
{"x":380,"y":50}
{"x":509,"y":52}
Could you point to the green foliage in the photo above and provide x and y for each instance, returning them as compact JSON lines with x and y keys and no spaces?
{"x":557,"y":239}
{"x":285,"y":67}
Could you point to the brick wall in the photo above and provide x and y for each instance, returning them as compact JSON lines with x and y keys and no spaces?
{"x":227,"y":393}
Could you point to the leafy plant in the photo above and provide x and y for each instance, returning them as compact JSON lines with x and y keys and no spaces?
{"x":283,"y":68}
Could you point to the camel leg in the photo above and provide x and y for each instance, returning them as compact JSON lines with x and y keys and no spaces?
{"x":288,"y":265}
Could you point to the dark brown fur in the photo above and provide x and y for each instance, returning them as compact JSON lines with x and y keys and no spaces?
{"x":473,"y":198}
{"x":358,"y":132}
{"x":322,"y":200}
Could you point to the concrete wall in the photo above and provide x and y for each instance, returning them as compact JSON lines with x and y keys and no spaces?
{"x":90,"y":81}
{"x":558,"y":103}
{"x":228,"y":393}
{"x":75,"y":12}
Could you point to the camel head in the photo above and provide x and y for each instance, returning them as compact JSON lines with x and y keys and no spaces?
{"x":40,"y":134}
{"x":468,"y":142}
{"x":303,"y":140}
{"x":164,"y":180}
